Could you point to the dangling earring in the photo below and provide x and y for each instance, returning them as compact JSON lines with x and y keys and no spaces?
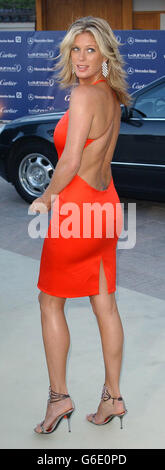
{"x":104,"y":69}
{"x":73,"y":71}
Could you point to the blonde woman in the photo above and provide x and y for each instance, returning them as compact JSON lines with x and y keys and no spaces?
{"x":78,"y":265}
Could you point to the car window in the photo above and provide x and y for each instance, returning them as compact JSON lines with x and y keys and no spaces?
{"x":152,"y":102}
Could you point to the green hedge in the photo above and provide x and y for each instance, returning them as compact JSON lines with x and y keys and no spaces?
{"x":17,"y":4}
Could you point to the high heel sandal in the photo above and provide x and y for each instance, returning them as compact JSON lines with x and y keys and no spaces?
{"x":53,"y":397}
{"x":106,"y":396}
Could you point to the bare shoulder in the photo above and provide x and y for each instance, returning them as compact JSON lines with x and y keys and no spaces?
{"x":82,"y":95}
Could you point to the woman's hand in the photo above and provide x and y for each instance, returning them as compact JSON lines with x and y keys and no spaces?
{"x":39,"y":205}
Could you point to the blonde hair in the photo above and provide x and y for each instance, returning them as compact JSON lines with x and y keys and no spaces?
{"x":108,"y":45}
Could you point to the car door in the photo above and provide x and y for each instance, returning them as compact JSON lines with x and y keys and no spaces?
{"x":139,"y":159}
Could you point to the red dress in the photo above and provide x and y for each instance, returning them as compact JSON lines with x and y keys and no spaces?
{"x":78,"y":238}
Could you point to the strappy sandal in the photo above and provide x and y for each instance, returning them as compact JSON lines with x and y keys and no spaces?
{"x":106,"y":396}
{"x":54,"y":397}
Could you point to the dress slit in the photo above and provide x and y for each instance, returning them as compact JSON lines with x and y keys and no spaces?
{"x":102,"y":290}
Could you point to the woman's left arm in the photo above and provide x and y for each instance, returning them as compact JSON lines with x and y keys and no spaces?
{"x":80,"y":120}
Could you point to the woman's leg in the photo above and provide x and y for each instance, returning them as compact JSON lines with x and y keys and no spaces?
{"x":111,"y":331}
{"x":56,"y":340}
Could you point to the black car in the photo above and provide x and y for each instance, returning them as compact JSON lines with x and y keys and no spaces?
{"x":28,"y":155}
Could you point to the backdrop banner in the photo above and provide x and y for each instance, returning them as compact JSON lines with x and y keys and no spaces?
{"x":27,"y":79}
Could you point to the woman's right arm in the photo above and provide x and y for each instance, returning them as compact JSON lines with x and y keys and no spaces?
{"x":80,"y":120}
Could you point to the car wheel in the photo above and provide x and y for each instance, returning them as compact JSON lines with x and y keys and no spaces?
{"x":33,"y":169}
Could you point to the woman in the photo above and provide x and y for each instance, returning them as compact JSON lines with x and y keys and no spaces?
{"x":78,"y":265}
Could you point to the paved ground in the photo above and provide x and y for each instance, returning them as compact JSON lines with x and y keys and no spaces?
{"x":140,"y":297}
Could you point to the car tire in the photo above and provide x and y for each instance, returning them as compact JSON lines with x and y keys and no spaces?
{"x":34,"y":163}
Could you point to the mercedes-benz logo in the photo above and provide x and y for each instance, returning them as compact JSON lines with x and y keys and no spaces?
{"x":130,"y":70}
{"x":30,"y":68}
{"x":30,"y":40}
{"x":130,"y":40}
{"x":30,"y":96}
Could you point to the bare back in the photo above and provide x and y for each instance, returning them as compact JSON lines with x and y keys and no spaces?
{"x":95,"y":166}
